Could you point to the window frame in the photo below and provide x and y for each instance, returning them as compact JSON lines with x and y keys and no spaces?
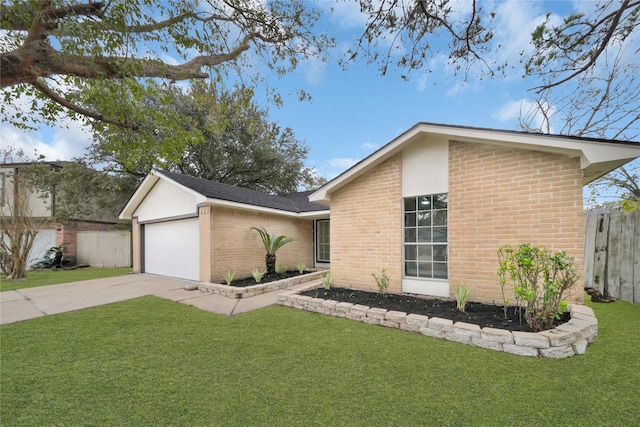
{"x":422,"y":252}
{"x":327,"y":243}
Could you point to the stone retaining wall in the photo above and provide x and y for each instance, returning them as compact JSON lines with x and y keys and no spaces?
{"x":566,"y":340}
{"x":260,"y":288}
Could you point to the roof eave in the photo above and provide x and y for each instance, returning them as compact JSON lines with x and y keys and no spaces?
{"x":597,"y":157}
{"x":247,"y":207}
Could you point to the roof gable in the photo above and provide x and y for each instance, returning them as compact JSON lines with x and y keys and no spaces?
{"x":597,"y":156}
{"x":207,"y":191}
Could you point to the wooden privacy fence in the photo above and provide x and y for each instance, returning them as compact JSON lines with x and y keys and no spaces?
{"x":612,"y":254}
{"x":104,"y":248}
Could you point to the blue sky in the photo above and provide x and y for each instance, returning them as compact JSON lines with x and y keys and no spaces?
{"x":355,"y":111}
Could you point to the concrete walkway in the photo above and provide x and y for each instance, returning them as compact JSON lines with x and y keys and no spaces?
{"x":29,"y":303}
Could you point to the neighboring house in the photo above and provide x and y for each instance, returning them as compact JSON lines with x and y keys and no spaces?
{"x":433,"y":206}
{"x":42,"y":208}
{"x":197,"y":229}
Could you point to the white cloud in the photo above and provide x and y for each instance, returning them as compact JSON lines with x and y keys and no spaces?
{"x":347,"y":14}
{"x":65,"y":144}
{"x":369,"y":146}
{"x":528,"y":112}
{"x":28,"y":142}
{"x":334,"y":167}
{"x":314,"y":69}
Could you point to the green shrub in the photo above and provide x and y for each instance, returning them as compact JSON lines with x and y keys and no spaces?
{"x":539,"y":279}
{"x":382,"y":281}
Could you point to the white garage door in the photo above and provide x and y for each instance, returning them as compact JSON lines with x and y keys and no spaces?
{"x":172,"y":249}
{"x":44,"y":240}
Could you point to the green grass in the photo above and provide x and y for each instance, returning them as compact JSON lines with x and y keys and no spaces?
{"x":53,"y":277}
{"x":155,"y":362}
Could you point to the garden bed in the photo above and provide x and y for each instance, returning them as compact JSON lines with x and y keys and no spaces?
{"x":565,"y":340}
{"x":246,"y":288}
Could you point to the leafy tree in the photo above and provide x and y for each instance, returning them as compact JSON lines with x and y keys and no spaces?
{"x":227,"y":138}
{"x":410,"y":34}
{"x":84,"y":193}
{"x":582,"y":40}
{"x":271,"y":244}
{"x":64,"y":53}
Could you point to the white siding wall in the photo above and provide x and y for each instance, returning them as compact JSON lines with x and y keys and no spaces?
{"x":166,"y":200}
{"x":39,"y":207}
{"x":425,"y":167}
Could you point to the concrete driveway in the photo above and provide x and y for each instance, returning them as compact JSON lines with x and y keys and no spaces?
{"x":41,"y":301}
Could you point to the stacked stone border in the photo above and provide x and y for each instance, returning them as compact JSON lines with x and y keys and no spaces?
{"x":259,"y":289}
{"x":564,"y":341}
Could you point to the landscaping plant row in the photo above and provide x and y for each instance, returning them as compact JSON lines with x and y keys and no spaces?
{"x":258,"y":289}
{"x":564,"y":341}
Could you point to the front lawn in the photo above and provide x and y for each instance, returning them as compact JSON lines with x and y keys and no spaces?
{"x":54,"y":277}
{"x":155,"y":362}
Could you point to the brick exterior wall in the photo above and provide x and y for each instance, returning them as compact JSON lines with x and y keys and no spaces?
{"x":500,"y":196}
{"x":227,"y":242}
{"x":135,"y":244}
{"x":366,"y":228}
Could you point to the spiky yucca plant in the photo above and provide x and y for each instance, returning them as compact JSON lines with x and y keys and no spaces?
{"x":271,"y":244}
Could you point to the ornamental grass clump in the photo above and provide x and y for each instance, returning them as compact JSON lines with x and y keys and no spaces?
{"x":462,"y":296}
{"x":281,"y":268}
{"x":229,"y":277}
{"x":257,"y":274}
{"x":327,"y":281}
{"x":301,"y":267}
{"x":539,"y":279}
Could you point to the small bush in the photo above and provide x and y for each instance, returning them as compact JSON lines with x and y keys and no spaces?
{"x":382,"y":281}
{"x":300,"y":267}
{"x":258,"y":274}
{"x":281,"y":268}
{"x":327,"y":281}
{"x":462,"y":296}
{"x":229,"y":277}
{"x":539,"y":279}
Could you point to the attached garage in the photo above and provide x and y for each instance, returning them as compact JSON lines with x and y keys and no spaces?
{"x":171,"y":248}
{"x":201,"y":230}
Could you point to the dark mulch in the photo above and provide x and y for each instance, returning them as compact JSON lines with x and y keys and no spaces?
{"x":484,"y":315}
{"x":250,"y":281}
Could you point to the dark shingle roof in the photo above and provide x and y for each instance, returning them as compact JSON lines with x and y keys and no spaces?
{"x":292,"y":202}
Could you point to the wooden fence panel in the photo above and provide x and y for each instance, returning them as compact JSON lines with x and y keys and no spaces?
{"x":104,"y":248}
{"x":589,"y":248}
{"x":627,"y":231}
{"x":612,"y":254}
